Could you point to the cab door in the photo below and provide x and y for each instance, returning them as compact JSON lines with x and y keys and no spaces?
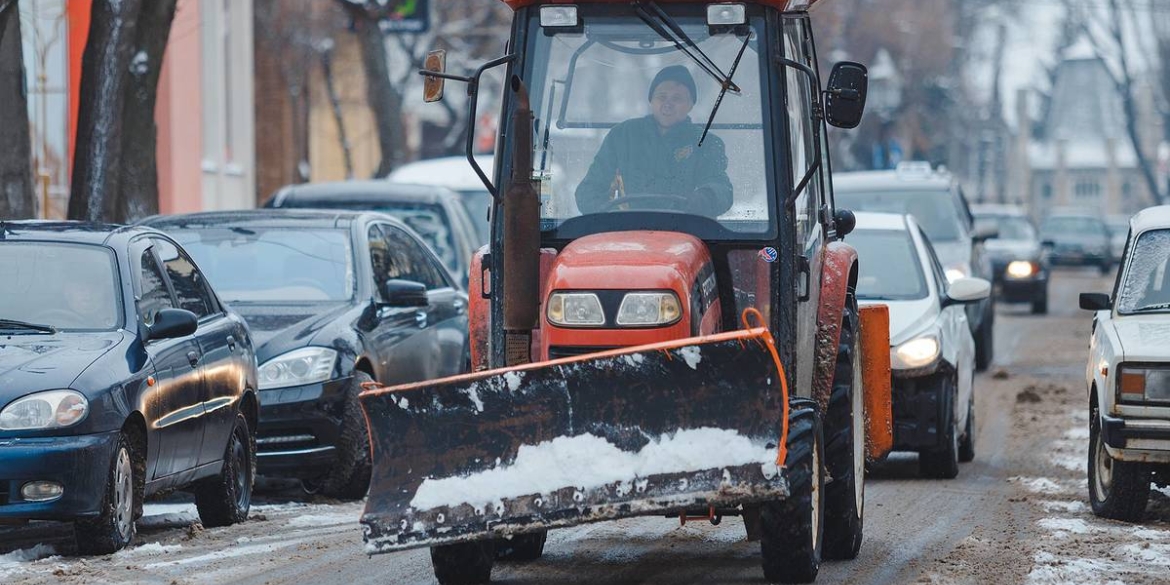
{"x":175,"y":401}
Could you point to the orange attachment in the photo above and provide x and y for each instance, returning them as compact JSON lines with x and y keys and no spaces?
{"x":877,"y":382}
{"x":754,"y":320}
{"x":711,"y":517}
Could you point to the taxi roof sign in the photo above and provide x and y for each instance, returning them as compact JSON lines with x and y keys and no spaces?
{"x":784,"y":5}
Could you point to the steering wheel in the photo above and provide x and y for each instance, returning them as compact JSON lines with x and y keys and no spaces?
{"x":675,"y":202}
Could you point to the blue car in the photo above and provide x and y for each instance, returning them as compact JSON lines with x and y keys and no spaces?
{"x":121,"y":374}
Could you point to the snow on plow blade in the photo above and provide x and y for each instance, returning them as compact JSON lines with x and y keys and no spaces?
{"x":644,"y":430}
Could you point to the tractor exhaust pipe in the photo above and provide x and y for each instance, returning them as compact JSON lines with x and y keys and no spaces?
{"x":521,"y":218}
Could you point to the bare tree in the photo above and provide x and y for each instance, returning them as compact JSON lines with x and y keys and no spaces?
{"x":16,"y":189}
{"x":385,"y":103}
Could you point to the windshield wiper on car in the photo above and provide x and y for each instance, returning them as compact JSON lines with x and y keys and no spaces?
{"x":10,"y":324}
{"x":1157,"y":307}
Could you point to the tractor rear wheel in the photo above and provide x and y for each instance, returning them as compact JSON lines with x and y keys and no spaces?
{"x":791,"y":529}
{"x":845,"y":445}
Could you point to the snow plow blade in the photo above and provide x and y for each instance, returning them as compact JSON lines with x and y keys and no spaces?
{"x":643,"y":430}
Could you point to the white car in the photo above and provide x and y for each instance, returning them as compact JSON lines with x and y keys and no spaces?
{"x":932,"y":352}
{"x":455,"y":173}
{"x":1128,"y":374}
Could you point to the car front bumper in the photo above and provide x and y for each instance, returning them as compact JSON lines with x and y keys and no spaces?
{"x":299,"y":428}
{"x":81,"y":464}
{"x":919,"y":409}
{"x":1025,"y":290}
{"x":1134,"y":439}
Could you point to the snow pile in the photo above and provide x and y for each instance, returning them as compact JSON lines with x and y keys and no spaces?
{"x":315,"y":520}
{"x":16,"y":561}
{"x":154,"y":548}
{"x":587,"y":462}
{"x":1040,"y":485}
{"x":1062,"y":527}
{"x":1050,"y":570}
{"x":693,"y":355}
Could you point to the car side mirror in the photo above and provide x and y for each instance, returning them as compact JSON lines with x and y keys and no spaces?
{"x":1095,"y":302}
{"x":172,"y":324}
{"x":967,"y":290}
{"x":846,"y":94}
{"x":404,"y":293}
{"x":985,"y":233}
{"x":845,"y":221}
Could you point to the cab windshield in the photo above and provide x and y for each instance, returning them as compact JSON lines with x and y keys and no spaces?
{"x":621,"y":112}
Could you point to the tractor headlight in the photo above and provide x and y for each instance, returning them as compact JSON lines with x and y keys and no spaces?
{"x":645,"y":309}
{"x":1022,"y":269}
{"x":307,"y":365}
{"x":55,"y":409}
{"x":575,"y":310}
{"x":1136,"y":384}
{"x":919,"y":352}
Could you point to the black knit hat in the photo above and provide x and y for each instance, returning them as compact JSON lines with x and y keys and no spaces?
{"x":677,"y":74}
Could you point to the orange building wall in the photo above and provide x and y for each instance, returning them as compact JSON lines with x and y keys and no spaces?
{"x":77,"y":13}
{"x":178,"y":113}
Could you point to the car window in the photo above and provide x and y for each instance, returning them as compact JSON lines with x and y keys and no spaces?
{"x":190,"y":289}
{"x":935,"y":211}
{"x":73,"y":287}
{"x":889,"y":266}
{"x":1146,"y":285}
{"x":1087,"y":226}
{"x":411,"y":261}
{"x":1010,"y":227}
{"x":152,"y":288}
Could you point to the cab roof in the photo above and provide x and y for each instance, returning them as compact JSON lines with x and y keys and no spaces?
{"x":784,"y":5}
{"x":1151,"y":218}
{"x":300,"y":218}
{"x":80,"y":232}
{"x":891,"y":181}
{"x":365,"y":192}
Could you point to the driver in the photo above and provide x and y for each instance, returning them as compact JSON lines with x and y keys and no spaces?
{"x":659,"y":155}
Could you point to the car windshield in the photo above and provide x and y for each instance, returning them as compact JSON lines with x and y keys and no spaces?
{"x":280,"y":265}
{"x":1010,"y":227}
{"x":888,"y":265}
{"x":935,"y":211}
{"x":620,"y":111}
{"x":64,"y":286}
{"x":1071,"y":226}
{"x":477,"y":202}
{"x":1146,"y":286}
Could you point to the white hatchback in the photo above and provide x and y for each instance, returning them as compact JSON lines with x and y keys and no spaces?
{"x":1128,"y":374}
{"x":932,"y":352}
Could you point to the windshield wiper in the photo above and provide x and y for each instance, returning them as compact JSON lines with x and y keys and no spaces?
{"x":14,"y":324}
{"x":698,"y":56}
{"x":1157,"y":307}
{"x":727,"y":84}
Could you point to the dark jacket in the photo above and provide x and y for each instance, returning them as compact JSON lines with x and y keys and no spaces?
{"x":660,"y":164}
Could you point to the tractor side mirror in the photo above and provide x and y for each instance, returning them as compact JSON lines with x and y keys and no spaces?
{"x":846,"y":94}
{"x":436,"y":62}
{"x":845,"y":221}
{"x":1095,"y":302}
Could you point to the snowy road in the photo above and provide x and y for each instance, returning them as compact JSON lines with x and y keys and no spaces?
{"x":1018,"y":514}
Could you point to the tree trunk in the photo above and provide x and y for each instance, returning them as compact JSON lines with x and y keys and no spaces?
{"x":1129,"y":102}
{"x":139,"y":167}
{"x":105,"y":78}
{"x":17,"y":200}
{"x":335,"y":106}
{"x":383,"y":100}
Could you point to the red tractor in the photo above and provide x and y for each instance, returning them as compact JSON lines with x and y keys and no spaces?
{"x":664,"y":322}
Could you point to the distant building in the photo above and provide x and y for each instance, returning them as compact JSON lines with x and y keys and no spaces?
{"x":1083,"y":156}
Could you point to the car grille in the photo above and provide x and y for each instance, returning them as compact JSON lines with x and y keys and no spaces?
{"x":566,"y":351}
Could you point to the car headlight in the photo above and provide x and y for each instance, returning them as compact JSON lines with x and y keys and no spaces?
{"x":575,"y":310}
{"x":1023,"y":269}
{"x":307,"y":365}
{"x":919,"y":352}
{"x":55,"y":409}
{"x":1136,"y":384}
{"x":641,"y":309}
{"x":957,"y":271}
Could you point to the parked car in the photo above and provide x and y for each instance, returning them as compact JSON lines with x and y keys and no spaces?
{"x":435,"y":213}
{"x":121,"y":375}
{"x":931,"y":348}
{"x":1128,"y":374}
{"x":1018,"y":266}
{"x":1077,"y":239}
{"x":335,"y":299}
{"x":937,"y":203}
{"x":1118,"y":226}
{"x":455,"y":173}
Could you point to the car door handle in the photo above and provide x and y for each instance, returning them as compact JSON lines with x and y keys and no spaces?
{"x":231,"y":341}
{"x":459,"y":305}
{"x":193,"y":358}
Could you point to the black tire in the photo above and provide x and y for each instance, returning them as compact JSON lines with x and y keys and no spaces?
{"x":985,"y":342}
{"x":1122,"y":493}
{"x":791,"y":529}
{"x":942,"y":462}
{"x":225,"y":499}
{"x":465,"y":563}
{"x":1040,"y":304}
{"x":114,"y":527}
{"x":967,"y":442}
{"x":521,"y":548}
{"x":845,"y":445}
{"x":349,"y":479}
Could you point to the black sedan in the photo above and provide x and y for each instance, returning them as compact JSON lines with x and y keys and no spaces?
{"x":335,"y":300}
{"x":1018,"y":264}
{"x":121,"y":374}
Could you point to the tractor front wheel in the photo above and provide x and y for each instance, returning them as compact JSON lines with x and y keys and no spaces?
{"x":791,"y":529}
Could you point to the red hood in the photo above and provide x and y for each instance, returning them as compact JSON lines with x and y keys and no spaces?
{"x":629,"y":261}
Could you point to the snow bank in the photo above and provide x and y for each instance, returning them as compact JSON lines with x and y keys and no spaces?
{"x":154,"y":548}
{"x":1050,"y":570}
{"x":1061,"y":527}
{"x":39,"y":551}
{"x":315,"y":520}
{"x":587,"y":461}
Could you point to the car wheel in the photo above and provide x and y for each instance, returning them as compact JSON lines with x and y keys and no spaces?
{"x":1118,"y":490}
{"x":1040,"y":304}
{"x":985,"y":343}
{"x":967,"y":443}
{"x":113,"y":528}
{"x":225,"y":499}
{"x":349,"y":478}
{"x":943,"y":462}
{"x":792,"y":529}
{"x":845,"y":446}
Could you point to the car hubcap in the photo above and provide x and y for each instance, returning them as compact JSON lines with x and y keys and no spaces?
{"x":858,"y":431}
{"x":1104,"y":471}
{"x":242,"y":472}
{"x":123,"y":493}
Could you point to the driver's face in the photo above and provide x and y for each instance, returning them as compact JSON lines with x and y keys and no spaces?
{"x":671,"y":103}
